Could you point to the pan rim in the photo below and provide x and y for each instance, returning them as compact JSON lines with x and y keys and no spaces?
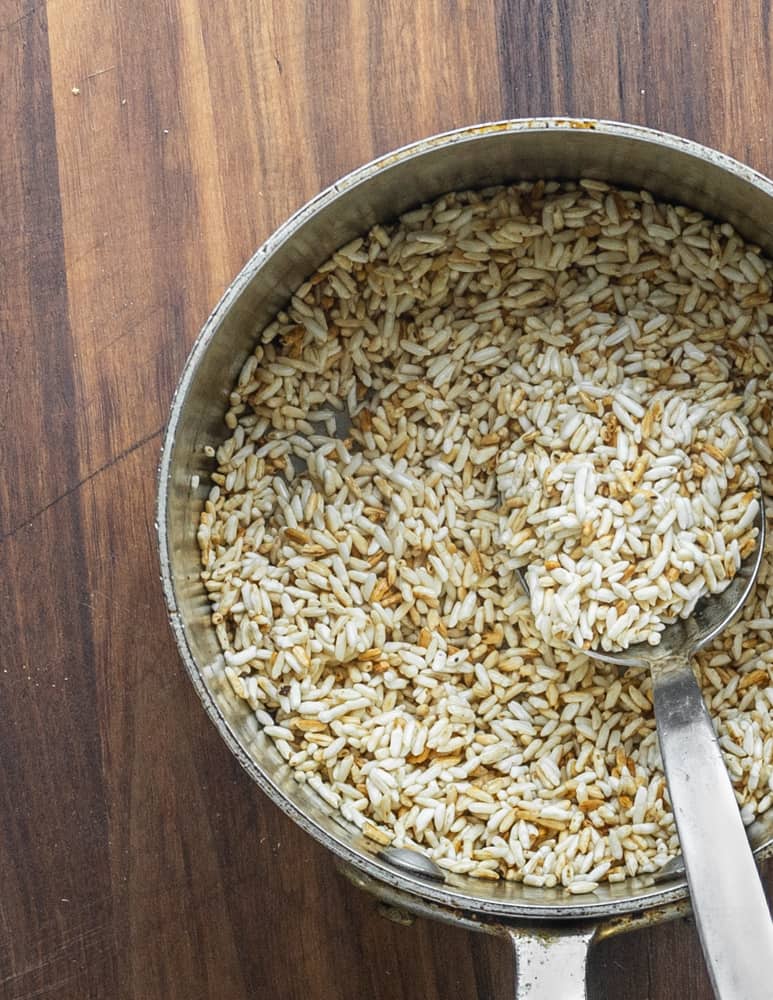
{"x":444,"y":895}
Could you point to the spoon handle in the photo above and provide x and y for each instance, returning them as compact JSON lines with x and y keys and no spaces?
{"x":728,"y":901}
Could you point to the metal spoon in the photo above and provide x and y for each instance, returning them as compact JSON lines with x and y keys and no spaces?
{"x":728,"y":901}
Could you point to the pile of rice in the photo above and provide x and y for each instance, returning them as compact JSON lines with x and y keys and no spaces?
{"x":633,"y":501}
{"x":362,"y":567}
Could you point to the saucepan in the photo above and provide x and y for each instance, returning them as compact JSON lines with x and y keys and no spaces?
{"x":550,"y":931}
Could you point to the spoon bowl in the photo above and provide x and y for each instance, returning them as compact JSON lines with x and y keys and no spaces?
{"x":710,"y":617}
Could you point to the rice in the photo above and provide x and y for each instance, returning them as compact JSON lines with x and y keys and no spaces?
{"x":660,"y":491}
{"x":362,"y":571}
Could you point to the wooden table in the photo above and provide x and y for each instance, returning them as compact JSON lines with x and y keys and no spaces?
{"x":147,"y":149}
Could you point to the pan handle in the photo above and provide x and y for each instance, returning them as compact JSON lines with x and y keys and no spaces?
{"x":550,"y":964}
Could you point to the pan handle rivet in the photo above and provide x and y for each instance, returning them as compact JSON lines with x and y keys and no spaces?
{"x":395,"y":915}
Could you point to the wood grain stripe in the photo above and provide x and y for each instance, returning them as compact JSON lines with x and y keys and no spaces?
{"x":37,"y":374}
{"x":431,"y":69}
{"x":157,"y":217}
{"x":145,"y":239}
{"x":53,"y":825}
{"x":266,"y":161}
{"x":648,"y":62}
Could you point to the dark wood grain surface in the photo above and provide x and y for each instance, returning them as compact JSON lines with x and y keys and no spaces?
{"x":148,"y":146}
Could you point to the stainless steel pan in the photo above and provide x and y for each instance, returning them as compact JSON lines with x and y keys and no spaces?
{"x":550,"y":931}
